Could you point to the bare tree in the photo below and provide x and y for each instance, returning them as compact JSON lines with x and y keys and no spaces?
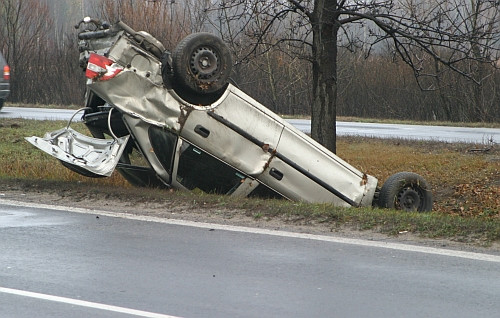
{"x":25,"y":26}
{"x":481,"y":21}
{"x":167,"y":20}
{"x":420,"y":31}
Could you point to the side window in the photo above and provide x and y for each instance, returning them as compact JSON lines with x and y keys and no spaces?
{"x":264,"y":192}
{"x":164,"y":143}
{"x":198,"y":169}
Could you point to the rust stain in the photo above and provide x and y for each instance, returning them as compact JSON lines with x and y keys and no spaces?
{"x":364,"y":180}
{"x":268,"y":162}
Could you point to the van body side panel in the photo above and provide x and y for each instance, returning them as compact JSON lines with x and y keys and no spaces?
{"x":230,"y":145}
{"x":324,"y":165}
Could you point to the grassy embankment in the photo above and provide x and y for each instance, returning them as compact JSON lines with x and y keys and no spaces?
{"x":465,"y":181}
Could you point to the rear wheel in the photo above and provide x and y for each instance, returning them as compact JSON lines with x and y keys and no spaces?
{"x":406,"y":191}
{"x":201,"y":65}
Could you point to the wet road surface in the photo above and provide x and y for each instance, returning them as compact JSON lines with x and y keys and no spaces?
{"x":55,"y":263}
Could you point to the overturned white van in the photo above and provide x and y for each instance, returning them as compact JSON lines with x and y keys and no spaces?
{"x":195,"y":130}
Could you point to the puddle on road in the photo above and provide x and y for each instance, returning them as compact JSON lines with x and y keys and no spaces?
{"x":26,"y":219}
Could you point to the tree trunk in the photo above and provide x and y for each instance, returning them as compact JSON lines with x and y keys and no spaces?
{"x":324,"y":106}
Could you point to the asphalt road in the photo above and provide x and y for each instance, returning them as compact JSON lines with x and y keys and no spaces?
{"x":413,"y":132}
{"x":56,"y":263}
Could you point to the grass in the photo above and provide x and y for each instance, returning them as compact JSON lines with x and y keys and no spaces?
{"x":464,"y":182}
{"x":465,"y":185}
{"x":19,"y":159}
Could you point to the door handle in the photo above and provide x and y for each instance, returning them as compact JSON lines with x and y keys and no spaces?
{"x":275,"y":173}
{"x":202,"y":131}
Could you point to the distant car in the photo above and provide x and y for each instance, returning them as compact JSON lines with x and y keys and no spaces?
{"x":196,"y":131}
{"x":4,"y":80}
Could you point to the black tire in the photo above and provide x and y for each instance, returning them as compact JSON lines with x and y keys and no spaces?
{"x":1,"y":103}
{"x":406,"y":191}
{"x":201,"y":65}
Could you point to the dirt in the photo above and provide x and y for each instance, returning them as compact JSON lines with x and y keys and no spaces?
{"x":145,"y":202}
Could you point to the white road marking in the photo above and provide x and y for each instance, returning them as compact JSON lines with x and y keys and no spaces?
{"x":333,"y":239}
{"x":83,"y":303}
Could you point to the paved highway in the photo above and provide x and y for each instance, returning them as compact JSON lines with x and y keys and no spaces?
{"x":63,"y":262}
{"x":414,"y":132}
{"x":38,"y":113}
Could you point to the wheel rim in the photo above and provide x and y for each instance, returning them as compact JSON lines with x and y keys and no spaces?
{"x":410,"y":199}
{"x":204,"y":63}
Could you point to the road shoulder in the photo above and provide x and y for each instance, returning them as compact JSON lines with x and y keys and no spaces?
{"x":19,"y":192}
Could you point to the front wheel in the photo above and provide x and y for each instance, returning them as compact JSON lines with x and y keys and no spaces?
{"x":406,"y":191}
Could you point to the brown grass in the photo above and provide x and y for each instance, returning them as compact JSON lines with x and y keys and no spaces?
{"x":464,"y":181}
{"x":19,"y":159}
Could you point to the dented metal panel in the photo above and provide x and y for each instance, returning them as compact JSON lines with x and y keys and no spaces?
{"x":99,"y":156}
{"x":283,"y":171}
{"x":228,"y":145}
{"x":138,"y":90}
{"x":137,"y":96}
{"x":128,"y":54}
{"x":330,"y":171}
